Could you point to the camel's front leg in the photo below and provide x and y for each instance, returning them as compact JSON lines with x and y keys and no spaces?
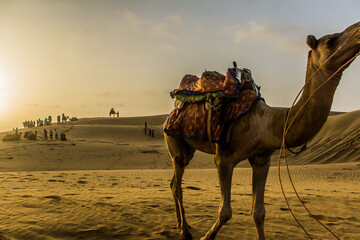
{"x":225,"y":173}
{"x":260,"y":166}
{"x":178,"y":198}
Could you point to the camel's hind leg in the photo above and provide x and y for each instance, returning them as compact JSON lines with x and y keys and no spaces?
{"x":181,"y":154}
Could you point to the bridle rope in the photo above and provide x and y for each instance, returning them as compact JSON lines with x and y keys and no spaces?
{"x":286,"y":130}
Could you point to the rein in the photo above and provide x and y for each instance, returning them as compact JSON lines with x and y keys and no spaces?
{"x":286,"y":129}
{"x":303,"y":148}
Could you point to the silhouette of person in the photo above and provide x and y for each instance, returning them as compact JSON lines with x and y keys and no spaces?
{"x":45,"y":135}
{"x":56,"y":134}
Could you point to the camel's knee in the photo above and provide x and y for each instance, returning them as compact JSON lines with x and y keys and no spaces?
{"x":225,"y":214}
{"x":172,"y":185}
{"x":175,"y":187}
{"x":259,"y":214}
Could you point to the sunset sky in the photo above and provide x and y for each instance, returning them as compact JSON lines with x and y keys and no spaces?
{"x":83,"y":57}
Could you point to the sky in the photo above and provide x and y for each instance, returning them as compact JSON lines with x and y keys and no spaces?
{"x":83,"y":57}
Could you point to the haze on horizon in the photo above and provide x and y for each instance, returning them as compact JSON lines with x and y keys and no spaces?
{"x":83,"y":57}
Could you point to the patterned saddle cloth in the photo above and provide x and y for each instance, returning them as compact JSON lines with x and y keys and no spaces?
{"x":205,"y":106}
{"x":213,"y":84}
{"x":190,"y":120}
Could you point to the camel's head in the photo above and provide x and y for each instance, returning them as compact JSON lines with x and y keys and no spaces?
{"x":338,"y":48}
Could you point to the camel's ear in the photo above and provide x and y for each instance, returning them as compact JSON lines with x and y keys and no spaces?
{"x":311,"y":41}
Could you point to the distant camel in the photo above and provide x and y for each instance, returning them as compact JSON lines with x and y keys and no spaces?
{"x":26,"y":134}
{"x":112,"y":112}
{"x":258,"y":133}
{"x":12,"y":136}
{"x":32,"y":135}
{"x":73,"y":119}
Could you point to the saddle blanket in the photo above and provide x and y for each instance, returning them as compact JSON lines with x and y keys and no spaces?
{"x":212,"y":82}
{"x":190,"y":121}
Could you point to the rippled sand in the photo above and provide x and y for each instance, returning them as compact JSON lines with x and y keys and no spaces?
{"x":137,"y":204}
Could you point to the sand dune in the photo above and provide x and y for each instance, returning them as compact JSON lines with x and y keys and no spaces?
{"x":111,"y":181}
{"x":338,"y":141}
{"x":120,"y":143}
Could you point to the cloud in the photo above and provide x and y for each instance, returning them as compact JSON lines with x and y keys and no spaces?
{"x":291,"y":46}
{"x":166,"y":46}
{"x":162,"y":29}
{"x":168,"y":27}
{"x":252,"y":30}
{"x":131,"y":18}
{"x":177,"y":20}
{"x":285,"y":37}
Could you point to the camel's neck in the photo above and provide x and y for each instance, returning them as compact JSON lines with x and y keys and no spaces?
{"x":312,"y":113}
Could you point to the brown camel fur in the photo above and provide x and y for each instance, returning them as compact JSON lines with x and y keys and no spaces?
{"x":32,"y":135}
{"x":258,"y":133}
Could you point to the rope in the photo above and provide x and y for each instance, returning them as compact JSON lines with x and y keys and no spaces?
{"x":303,"y":148}
{"x":283,"y":144}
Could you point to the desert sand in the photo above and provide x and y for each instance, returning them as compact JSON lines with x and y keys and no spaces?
{"x":111,"y":181}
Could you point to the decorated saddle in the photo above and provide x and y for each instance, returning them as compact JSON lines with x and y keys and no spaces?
{"x":205,"y":106}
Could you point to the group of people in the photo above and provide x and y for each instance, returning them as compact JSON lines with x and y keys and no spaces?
{"x":29,"y":124}
{"x":39,"y":122}
{"x":46,"y":122}
{"x":51,"y":134}
{"x":149,"y":131}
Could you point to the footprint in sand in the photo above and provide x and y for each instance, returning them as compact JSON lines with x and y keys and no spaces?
{"x":56,"y":180}
{"x":82,"y":182}
{"x":55,"y":198}
{"x":319,"y":217}
{"x":25,"y":196}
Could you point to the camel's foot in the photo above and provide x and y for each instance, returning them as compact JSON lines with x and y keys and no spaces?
{"x":186,"y":235}
{"x":208,"y":237}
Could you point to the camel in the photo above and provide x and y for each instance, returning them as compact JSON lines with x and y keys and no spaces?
{"x":113,"y":112}
{"x":26,"y":134}
{"x":12,"y":136}
{"x":32,"y":135}
{"x":258,"y":133}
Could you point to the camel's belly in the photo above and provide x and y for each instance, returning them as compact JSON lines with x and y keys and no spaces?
{"x":202,"y":146}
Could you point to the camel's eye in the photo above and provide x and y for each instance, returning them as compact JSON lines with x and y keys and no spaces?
{"x":330,"y":42}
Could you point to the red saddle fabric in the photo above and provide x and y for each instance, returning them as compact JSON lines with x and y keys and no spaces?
{"x":190,"y":120}
{"x":209,"y":82}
